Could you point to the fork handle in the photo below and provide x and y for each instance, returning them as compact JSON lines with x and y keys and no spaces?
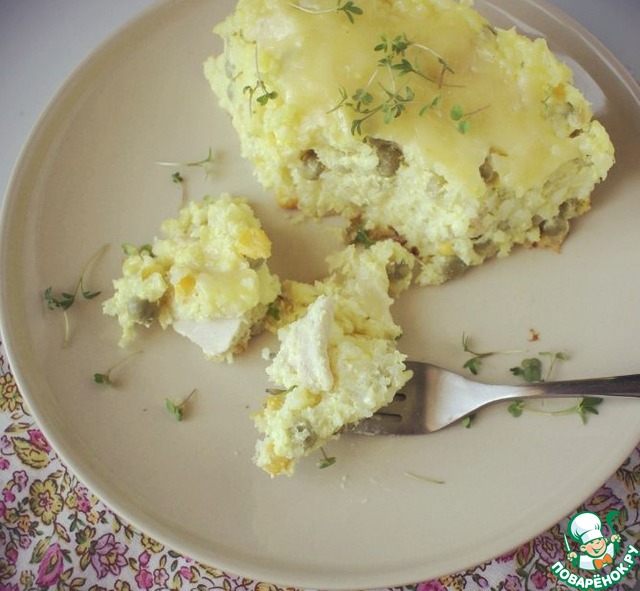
{"x":626,"y":386}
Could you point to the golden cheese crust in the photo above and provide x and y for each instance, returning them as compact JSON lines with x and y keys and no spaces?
{"x":413,"y":118}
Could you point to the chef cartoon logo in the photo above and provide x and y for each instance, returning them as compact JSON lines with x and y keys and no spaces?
{"x":594,"y":549}
{"x":593,"y":553}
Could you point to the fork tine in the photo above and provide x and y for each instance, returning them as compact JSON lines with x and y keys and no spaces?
{"x":404,"y":415}
{"x":435,"y":398}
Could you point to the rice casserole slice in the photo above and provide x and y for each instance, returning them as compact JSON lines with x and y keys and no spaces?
{"x":412,"y":119}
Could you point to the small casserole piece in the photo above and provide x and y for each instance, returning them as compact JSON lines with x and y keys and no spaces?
{"x":207,"y":278}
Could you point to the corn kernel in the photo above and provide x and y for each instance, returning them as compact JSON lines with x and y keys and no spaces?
{"x":274,"y":402}
{"x":185,"y":286}
{"x":254,"y":243}
{"x":445,"y":249}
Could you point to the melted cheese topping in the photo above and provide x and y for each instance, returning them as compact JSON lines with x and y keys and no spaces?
{"x":308,"y":72}
{"x":418,"y":120}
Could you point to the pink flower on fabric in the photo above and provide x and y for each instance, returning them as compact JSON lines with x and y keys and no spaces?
{"x":84,"y":504}
{"x":548,"y":548}
{"x":603,"y":501}
{"x":539,"y":580}
{"x":160,"y":576}
{"x":144,"y":558}
{"x":4,"y":463}
{"x":38,"y":440}
{"x":11,"y":554}
{"x":5,"y":444}
{"x":108,"y":556}
{"x":513,"y":583}
{"x":24,"y":541}
{"x":51,"y":566}
{"x":188,"y":574}
{"x":8,"y":587}
{"x":144,"y":579}
{"x":434,"y":585}
{"x":7,"y":495}
{"x":508,"y":557}
{"x":21,"y":479}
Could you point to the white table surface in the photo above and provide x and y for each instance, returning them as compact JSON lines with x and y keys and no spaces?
{"x":42,"y":41}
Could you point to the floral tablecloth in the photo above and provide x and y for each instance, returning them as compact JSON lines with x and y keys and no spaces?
{"x":55,"y":534}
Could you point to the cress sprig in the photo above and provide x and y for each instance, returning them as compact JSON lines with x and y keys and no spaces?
{"x":362,"y":102}
{"x":391,"y":101}
{"x":105,"y":378}
{"x":350,"y":9}
{"x":395,"y":59}
{"x":177,"y":407}
{"x":531,"y":371}
{"x":583,"y":407}
{"x":206,"y":164}
{"x":259,"y":90}
{"x":475,"y":361}
{"x":326,"y":460}
{"x":65,"y":299}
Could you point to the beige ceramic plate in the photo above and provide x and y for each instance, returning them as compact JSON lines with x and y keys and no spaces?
{"x":88,"y":178}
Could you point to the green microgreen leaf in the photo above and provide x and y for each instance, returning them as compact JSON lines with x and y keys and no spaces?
{"x":102,"y":378}
{"x":207,"y":164}
{"x":264,"y":95}
{"x":326,"y":460}
{"x":130,"y":249}
{"x":584,"y":407}
{"x":362,"y":97}
{"x":473,"y":364}
{"x":106,"y":378}
{"x":588,"y":405}
{"x":468,"y":420}
{"x":461,"y":117}
{"x":530,"y":370}
{"x":516,"y":408}
{"x":177,"y":407}
{"x":429,"y":106}
{"x":349,"y":8}
{"x":392,"y":103}
{"x":64,"y":300}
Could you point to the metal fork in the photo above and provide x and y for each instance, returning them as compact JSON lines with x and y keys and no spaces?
{"x":435,"y":398}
